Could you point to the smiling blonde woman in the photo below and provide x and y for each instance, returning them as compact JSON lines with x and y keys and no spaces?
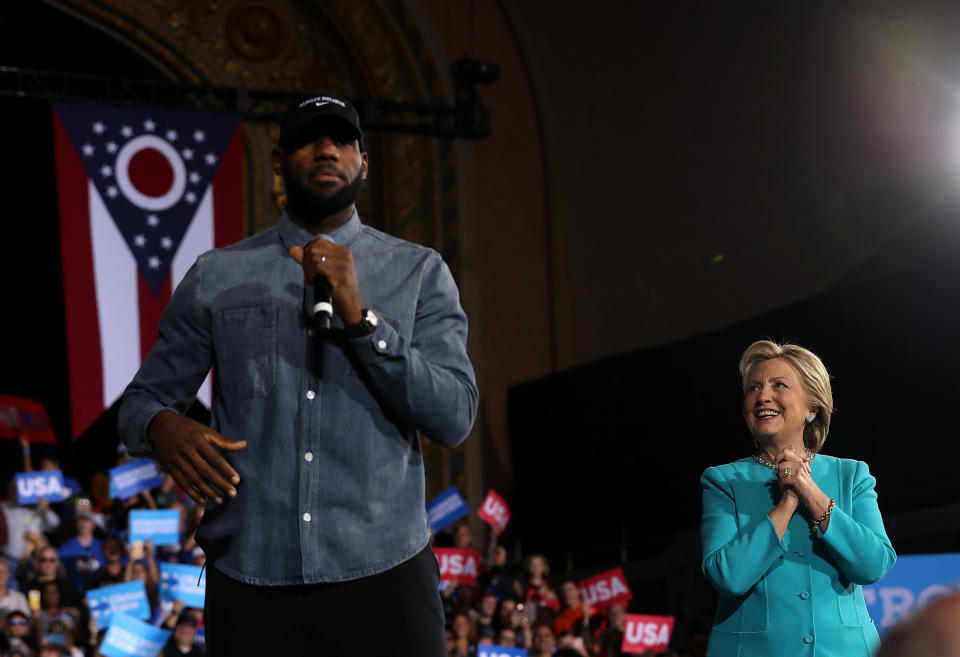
{"x":791,"y":535}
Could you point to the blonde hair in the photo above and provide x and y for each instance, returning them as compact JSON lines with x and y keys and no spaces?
{"x":813,"y":376}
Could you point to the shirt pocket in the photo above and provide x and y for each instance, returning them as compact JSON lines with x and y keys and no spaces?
{"x":245,"y":350}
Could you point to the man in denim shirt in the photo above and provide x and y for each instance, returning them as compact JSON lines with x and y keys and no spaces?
{"x":312,"y":473}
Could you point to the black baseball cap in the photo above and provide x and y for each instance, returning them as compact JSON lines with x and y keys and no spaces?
{"x":318,"y":107}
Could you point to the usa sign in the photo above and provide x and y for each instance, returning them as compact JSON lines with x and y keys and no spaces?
{"x":605,"y":589}
{"x":28,"y":416}
{"x":647,"y":633}
{"x":460,"y":565}
{"x":495,"y":511}
{"x":45,"y":484}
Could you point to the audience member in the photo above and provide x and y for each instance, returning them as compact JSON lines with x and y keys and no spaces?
{"x":45,"y":569}
{"x":933,"y":631}
{"x":18,"y":635}
{"x":52,"y":610}
{"x":142,"y":566}
{"x":82,"y":555}
{"x":506,"y":637}
{"x":571,"y":615}
{"x":485,"y":615}
{"x":544,"y":641}
{"x":463,"y":537}
{"x":182,"y":641}
{"x":539,"y":598}
{"x":112,"y":571}
{"x":502,"y":575}
{"x":616,"y":624}
{"x":25,"y":520}
{"x":464,"y":639}
{"x":10,"y":600}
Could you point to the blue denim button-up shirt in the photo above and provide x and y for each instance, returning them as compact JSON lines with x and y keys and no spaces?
{"x":332,"y":480}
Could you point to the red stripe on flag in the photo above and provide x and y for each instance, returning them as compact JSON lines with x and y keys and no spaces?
{"x":228,"y":194}
{"x":151,"y":308}
{"x":76,"y":252}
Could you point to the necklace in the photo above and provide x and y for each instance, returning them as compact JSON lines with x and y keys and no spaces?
{"x":762,"y":461}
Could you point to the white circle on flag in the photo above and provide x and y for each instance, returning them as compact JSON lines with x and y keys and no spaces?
{"x":138,"y":198}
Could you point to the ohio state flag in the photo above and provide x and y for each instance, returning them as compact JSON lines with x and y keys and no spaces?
{"x":142,"y":192}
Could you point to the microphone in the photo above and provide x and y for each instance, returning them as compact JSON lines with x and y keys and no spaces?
{"x":322,"y":300}
{"x":323,"y":304}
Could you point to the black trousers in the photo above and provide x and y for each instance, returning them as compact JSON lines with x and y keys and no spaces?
{"x":396,"y":613}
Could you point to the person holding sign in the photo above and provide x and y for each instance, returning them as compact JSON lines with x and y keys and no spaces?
{"x":790,"y":535}
{"x":334,"y":346}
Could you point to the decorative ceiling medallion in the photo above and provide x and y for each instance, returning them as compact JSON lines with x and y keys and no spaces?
{"x":256,"y":30}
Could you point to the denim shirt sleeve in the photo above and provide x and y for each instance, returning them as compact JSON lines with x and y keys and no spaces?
{"x":174,"y":368}
{"x":427,"y":380}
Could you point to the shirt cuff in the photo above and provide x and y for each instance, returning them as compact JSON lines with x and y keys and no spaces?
{"x":384,"y":342}
{"x":136,"y":431}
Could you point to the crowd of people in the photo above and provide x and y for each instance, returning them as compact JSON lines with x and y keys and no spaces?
{"x":56,"y":552}
{"x":519,"y":604}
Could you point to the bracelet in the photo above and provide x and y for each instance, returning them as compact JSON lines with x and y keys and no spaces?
{"x":826,"y":514}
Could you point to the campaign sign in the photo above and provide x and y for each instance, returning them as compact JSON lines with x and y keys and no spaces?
{"x":458,"y":564}
{"x":179,"y":582}
{"x":132,"y":477}
{"x":445,"y":509}
{"x":129,"y":637}
{"x":914,"y":580}
{"x":646,"y":632}
{"x":495,"y":511}
{"x":46,"y":484}
{"x":28,"y":417}
{"x":162,"y":526}
{"x":128,"y":598}
{"x":605,"y":589}
{"x":500,"y":651}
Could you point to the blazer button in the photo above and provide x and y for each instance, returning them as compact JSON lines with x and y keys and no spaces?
{"x":804,"y":595}
{"x":808,"y":639}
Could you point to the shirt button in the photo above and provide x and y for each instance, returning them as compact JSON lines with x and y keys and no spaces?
{"x":311,"y":394}
{"x":381,"y":345}
{"x":308,"y":457}
{"x":804,"y":595}
{"x":311,"y":332}
{"x":306,"y":518}
{"x":808,"y":639}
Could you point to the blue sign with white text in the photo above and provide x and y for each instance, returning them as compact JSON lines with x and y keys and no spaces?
{"x":179,"y":582}
{"x":46,"y":484}
{"x":129,"y":637}
{"x":445,"y":509}
{"x":161,"y":526}
{"x":130,"y":478}
{"x":912,"y":582}
{"x":128,"y":598}
{"x":500,"y":651}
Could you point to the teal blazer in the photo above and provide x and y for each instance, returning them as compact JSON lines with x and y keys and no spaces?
{"x":800,"y":596}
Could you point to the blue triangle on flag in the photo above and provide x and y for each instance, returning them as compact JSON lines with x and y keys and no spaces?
{"x":152,"y":168}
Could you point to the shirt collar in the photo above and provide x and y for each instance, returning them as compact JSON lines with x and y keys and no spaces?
{"x":293,"y":235}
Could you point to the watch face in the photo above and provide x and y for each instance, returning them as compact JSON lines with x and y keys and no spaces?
{"x":372,"y":318}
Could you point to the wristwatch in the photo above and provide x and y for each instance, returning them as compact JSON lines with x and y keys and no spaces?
{"x":368,"y":324}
